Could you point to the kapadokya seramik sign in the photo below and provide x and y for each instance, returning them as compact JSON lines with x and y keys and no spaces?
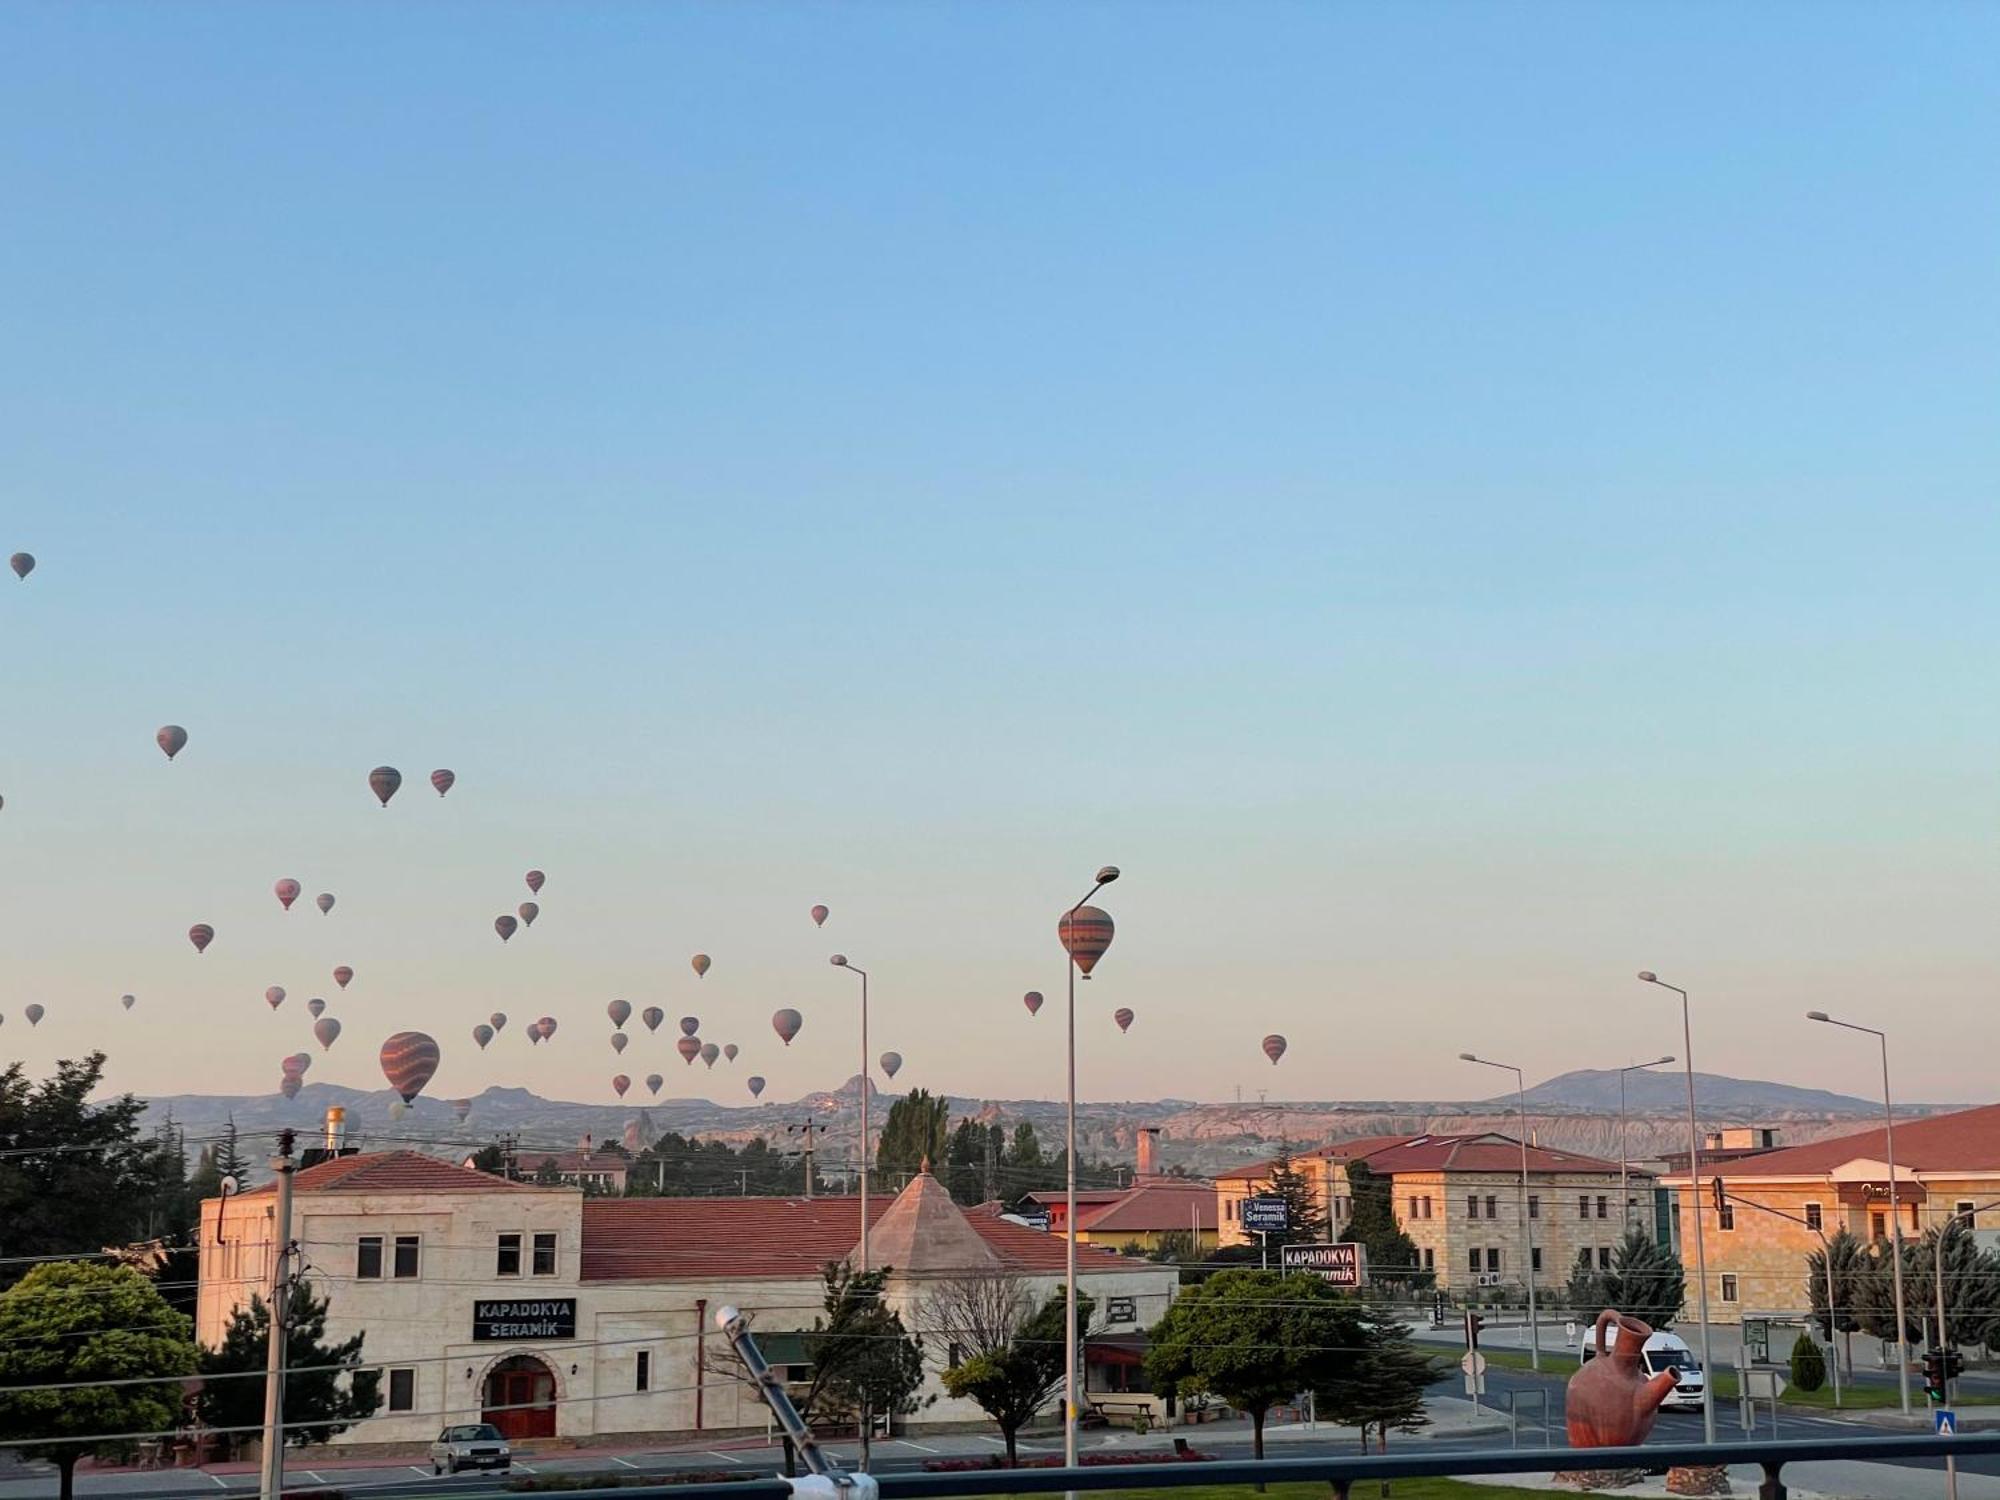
{"x":1343,"y":1265}
{"x":1266,"y":1215}
{"x":523,"y":1318}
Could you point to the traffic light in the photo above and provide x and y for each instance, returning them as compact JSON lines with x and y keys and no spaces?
{"x":1954,"y":1364}
{"x":1934,"y":1377}
{"x":1473,"y":1323}
{"x":1721,"y":1197}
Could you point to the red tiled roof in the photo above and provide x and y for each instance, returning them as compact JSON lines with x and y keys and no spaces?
{"x":660,"y":1239}
{"x":1482,"y":1151}
{"x":1162,"y":1206}
{"x":396,"y":1172}
{"x":575,"y":1161}
{"x":1968,"y":1138}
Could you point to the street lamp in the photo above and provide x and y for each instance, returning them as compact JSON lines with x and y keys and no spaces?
{"x":1068,"y":931}
{"x":1624,"y":1154}
{"x":1895,"y":1216}
{"x":1527,"y":1235}
{"x":839,"y":961}
{"x":1647,"y":976}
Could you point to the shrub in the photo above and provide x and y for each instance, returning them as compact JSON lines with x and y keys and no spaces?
{"x":1808,"y":1364}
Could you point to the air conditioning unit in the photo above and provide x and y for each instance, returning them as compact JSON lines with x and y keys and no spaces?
{"x":1489,"y":1278}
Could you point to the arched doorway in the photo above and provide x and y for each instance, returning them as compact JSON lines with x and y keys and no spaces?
{"x":520,"y":1397}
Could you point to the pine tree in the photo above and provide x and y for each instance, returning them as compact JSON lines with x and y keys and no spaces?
{"x":1305,"y":1215}
{"x":964,"y":1166}
{"x":915,"y":1132}
{"x":1024,"y":1153}
{"x":1646,"y":1280}
{"x":1392,"y":1254}
{"x":327,"y":1390}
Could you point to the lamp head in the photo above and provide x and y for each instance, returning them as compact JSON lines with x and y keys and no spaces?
{"x":839,"y":960}
{"x":1818,"y":1015}
{"x":1647,"y":976}
{"x":1108,"y":874}
{"x":1664,"y":1061}
{"x":1467,"y":1057}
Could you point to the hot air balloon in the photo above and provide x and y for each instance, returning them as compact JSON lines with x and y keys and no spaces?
{"x":460,"y":1108}
{"x":342,"y":974}
{"x":1085,"y":933}
{"x":34,"y":1013}
{"x":505,"y":926}
{"x":689,"y":1049}
{"x":128,"y":1001}
{"x":618,"y":1041}
{"x":529,"y":911}
{"x":700,"y":962}
{"x":171,"y":738}
{"x":23,"y":563}
{"x":383,"y":781}
{"x":652,"y":1015}
{"x":548,"y":1025}
{"x":1274,"y":1048}
{"x":409,"y":1058}
{"x":1033,"y":1000}
{"x":324,"y":901}
{"x":709,"y":1053}
{"x":498,"y":1020}
{"x":287,"y":891}
{"x":653,"y":1082}
{"x":620,"y":1083}
{"x":690,"y":1025}
{"x":326,"y":1031}
{"x":299,"y":1062}
{"x":620,"y":1012}
{"x":819,"y":916}
{"x":787,"y":1023}
{"x":729,"y":1050}
{"x":275,"y":996}
{"x":535,"y":879}
{"x":442,"y":780}
{"x":290,"y":1085}
{"x":1123,"y":1017}
{"x":482,"y":1034}
{"x":201,"y":935}
{"x":315,"y":1007}
{"x":756,"y":1086}
{"x":397,"y":1109}
{"x":892,"y":1063}
{"x":533,"y":1034}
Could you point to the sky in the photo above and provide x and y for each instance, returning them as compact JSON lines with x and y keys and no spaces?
{"x":1461,"y":502}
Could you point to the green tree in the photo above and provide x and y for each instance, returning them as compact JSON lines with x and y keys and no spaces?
{"x":1024,"y":1152}
{"x":964,"y":1164}
{"x":1850,"y":1268}
{"x":864,"y":1361}
{"x":1808,"y":1364}
{"x":1009,"y":1352}
{"x":1305,"y":1214}
{"x":489,"y":1158}
{"x":1258,"y":1338}
{"x":1384,"y":1391}
{"x":1393,"y":1261}
{"x":915,"y":1132}
{"x":548,"y":1174}
{"x":1585,"y":1291}
{"x":72,"y":1321}
{"x":327,"y":1389}
{"x":1646,"y":1280}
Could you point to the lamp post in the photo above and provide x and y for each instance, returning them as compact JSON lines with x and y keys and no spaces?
{"x":839,"y":961}
{"x":1070,"y":932}
{"x":1647,"y":976}
{"x":1527,"y":1234}
{"x":1895,"y":1215}
{"x":1624,"y":1153}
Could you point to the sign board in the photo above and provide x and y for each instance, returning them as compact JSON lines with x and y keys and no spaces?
{"x":1473,"y":1363}
{"x":1944,"y":1421}
{"x":1037,"y":1218}
{"x":1475,"y":1385}
{"x":501,"y":1320}
{"x":1763,"y":1384}
{"x":1121,"y":1310}
{"x":1266,"y":1215}
{"x":1345,"y":1264}
{"x":1757,"y":1340}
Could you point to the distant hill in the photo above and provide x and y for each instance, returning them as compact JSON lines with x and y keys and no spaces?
{"x":1664,"y":1091}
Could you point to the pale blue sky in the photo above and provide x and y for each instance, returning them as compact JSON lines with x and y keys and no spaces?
{"x":1462,"y":501}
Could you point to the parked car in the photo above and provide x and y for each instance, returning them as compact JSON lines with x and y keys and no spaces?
{"x":475,"y":1445}
{"x":1663,"y":1351}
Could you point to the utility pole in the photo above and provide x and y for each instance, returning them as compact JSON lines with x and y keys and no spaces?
{"x":509,"y":1163}
{"x":992,"y":1169}
{"x":272,"y":1484}
{"x":807,"y":1130}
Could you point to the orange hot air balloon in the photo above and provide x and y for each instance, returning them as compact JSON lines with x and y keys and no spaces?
{"x":653,"y":1082}
{"x":700,"y":962}
{"x":1123,"y":1017}
{"x":652,"y":1015}
{"x":23,"y":563}
{"x":1033,"y":1000}
{"x":535,"y":879}
{"x":506,"y":926}
{"x":324,"y":901}
{"x":618,"y":1041}
{"x":529,"y":911}
{"x":689,"y":1049}
{"x":315,"y":1007}
{"x":409,"y":1059}
{"x":1274,"y":1047}
{"x":201,"y":935}
{"x":498,"y":1020}
{"x":287,"y":891}
{"x":709,"y":1053}
{"x":892,"y":1063}
{"x":342,"y":974}
{"x":442,"y":780}
{"x":787,"y":1023}
{"x":729,"y":1050}
{"x":755,"y":1085}
{"x":482,"y":1034}
{"x":620,"y":1083}
{"x":275,"y":996}
{"x":690,"y":1025}
{"x":620,"y":1012}
{"x":1085,"y":933}
{"x":171,"y":738}
{"x":383,"y":782}
{"x":326,"y":1031}
{"x":34,"y":1013}
{"x":820,"y":915}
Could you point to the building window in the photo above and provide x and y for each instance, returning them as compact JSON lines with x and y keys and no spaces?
{"x":643,"y":1378}
{"x":1582,"y":1206}
{"x":1430,"y":1258}
{"x":1534,"y":1206}
{"x":404,"y":1267}
{"x":1814,"y":1220}
{"x":545,"y":1254}
{"x":1492,"y":1207}
{"x":1913,"y":1219}
{"x":1473,"y":1261}
{"x":1493,"y":1259}
{"x":954,"y":1356}
{"x":1725,"y":1216}
{"x":507,"y":1258}
{"x":1427,"y":1205}
{"x":368,"y":1257}
{"x":1603,"y":1207}
{"x":1728,"y":1288}
{"x":1963,"y":1209}
{"x":1878,"y":1225}
{"x":1603,"y":1257}
{"x":1535,"y":1259}
{"x":403,"y":1389}
{"x":1471,"y":1206}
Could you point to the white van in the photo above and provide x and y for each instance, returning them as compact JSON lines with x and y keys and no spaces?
{"x":1663,"y":1351}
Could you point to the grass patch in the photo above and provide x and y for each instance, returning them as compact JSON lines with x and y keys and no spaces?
{"x":1399,"y":1489}
{"x":1560,"y":1364}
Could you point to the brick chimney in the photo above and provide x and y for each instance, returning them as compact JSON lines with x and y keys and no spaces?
{"x":1146,"y":1142}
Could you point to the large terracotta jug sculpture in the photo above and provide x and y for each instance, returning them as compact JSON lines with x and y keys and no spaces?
{"x":1611,"y":1403}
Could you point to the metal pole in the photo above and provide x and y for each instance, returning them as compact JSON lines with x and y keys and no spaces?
{"x":1943,"y":1344}
{"x":867,"y":1087}
{"x":1527,"y":1231}
{"x":1832,"y":1317}
{"x":272,"y":1483}
{"x":1896,"y":1231}
{"x":1069,"y":1237}
{"x":1624,"y":1162}
{"x":1700,"y":1246}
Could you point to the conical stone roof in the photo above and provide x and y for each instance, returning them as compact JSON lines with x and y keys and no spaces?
{"x":923,"y":1233}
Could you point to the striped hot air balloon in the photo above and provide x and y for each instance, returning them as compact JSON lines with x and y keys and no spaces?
{"x":652,"y":1015}
{"x":690,"y":1025}
{"x":1274,"y":1047}
{"x":383,"y":782}
{"x":535,"y":879}
{"x":201,"y":935}
{"x":409,"y":1059}
{"x":1033,"y":1000}
{"x":324,"y":901}
{"x":1123,"y":1016}
{"x":1085,"y":933}
{"x":689,"y":1049}
{"x":442,"y":780}
{"x":620,"y":1083}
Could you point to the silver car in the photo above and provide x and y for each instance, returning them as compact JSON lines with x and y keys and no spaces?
{"x":476,"y":1445}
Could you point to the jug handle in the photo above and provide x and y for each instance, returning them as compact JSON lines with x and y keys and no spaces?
{"x":1603,"y":1318}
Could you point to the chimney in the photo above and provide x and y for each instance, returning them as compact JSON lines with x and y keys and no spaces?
{"x":1146,"y":1140}
{"x":336,"y":1127}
